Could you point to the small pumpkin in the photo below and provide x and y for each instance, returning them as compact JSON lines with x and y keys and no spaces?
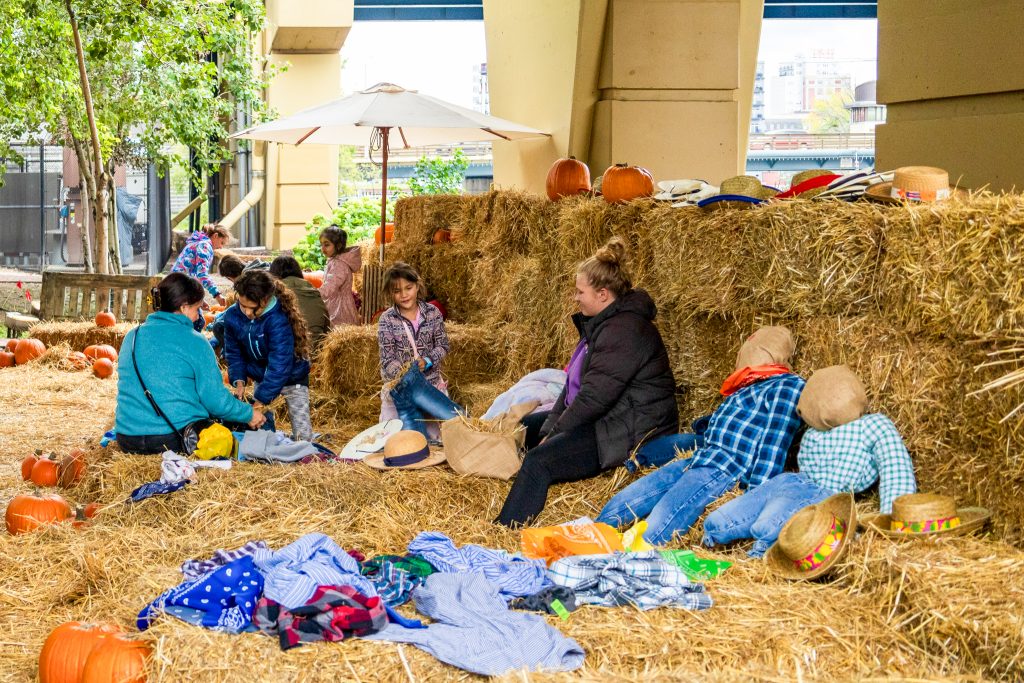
{"x":9,"y":346}
{"x":67,"y":648}
{"x":28,"y":349}
{"x":441,"y":235}
{"x":46,"y":471}
{"x":209,"y":317}
{"x":29,"y":511}
{"x":71,"y":469}
{"x":389,"y":234}
{"x":84,"y":513}
{"x":315,"y":278}
{"x":97,"y":351}
{"x":102,"y":368}
{"x":624,"y":183}
{"x":118,"y":659}
{"x":6,"y":359}
{"x":78,"y":360}
{"x":567,"y":177}
{"x":27,"y":463}
{"x":105,"y":319}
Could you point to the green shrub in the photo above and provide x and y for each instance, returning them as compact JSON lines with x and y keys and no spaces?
{"x":359,"y":217}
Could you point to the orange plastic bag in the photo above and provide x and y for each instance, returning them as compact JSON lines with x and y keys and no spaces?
{"x":551,"y":543}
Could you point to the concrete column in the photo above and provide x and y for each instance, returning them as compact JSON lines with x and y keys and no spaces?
{"x":951,"y":75}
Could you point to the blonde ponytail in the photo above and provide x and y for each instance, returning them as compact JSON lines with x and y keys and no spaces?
{"x":608,"y":268}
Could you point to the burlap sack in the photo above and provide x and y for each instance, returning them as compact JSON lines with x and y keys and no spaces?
{"x":493,"y":453}
{"x":832,"y":397}
{"x":767,"y":346}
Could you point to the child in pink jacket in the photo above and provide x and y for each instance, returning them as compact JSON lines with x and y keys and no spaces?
{"x":342,"y":263}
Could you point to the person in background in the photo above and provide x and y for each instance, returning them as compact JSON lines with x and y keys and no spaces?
{"x":196,"y":259}
{"x":179,"y":369}
{"x":265,"y":340}
{"x":619,"y":388}
{"x":342,"y":264}
{"x":231,"y":268}
{"x":311,"y":304}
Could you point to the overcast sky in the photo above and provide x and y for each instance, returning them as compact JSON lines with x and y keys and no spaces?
{"x":437,"y":58}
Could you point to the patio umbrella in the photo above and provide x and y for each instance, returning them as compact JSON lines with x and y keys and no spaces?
{"x":370,"y":115}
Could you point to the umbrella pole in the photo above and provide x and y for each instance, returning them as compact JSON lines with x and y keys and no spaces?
{"x":384,"y":194}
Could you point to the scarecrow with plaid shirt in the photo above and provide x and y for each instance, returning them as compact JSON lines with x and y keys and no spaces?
{"x":745,"y":442}
{"x":842,"y":450}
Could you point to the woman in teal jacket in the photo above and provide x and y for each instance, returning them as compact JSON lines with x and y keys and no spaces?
{"x":179,"y":369}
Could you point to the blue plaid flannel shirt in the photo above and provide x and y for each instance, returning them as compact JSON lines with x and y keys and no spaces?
{"x":749,"y":435}
{"x":852,"y":456}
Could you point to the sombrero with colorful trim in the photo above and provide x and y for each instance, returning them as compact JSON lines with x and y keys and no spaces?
{"x":814,"y":539}
{"x":916,"y":515}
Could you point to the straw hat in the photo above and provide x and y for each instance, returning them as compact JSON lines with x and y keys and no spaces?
{"x":406,"y":450}
{"x":809,"y":184}
{"x":914,"y":184}
{"x":804,"y":176}
{"x":832,"y":397}
{"x":767,"y":346}
{"x":814,"y":538}
{"x":916,"y":515}
{"x":370,"y":440}
{"x":738,"y":192}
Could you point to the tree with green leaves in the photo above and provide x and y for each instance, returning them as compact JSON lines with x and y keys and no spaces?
{"x":436,"y":175}
{"x":148,"y":74}
{"x":830,"y":115}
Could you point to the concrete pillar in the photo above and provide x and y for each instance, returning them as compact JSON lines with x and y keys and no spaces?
{"x":951,"y":75}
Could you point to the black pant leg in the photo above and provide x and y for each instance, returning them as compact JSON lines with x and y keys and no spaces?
{"x":562,"y":458}
{"x":533,"y":422}
{"x":149,"y":443}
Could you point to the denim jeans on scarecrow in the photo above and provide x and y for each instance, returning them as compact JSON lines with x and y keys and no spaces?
{"x":417,"y":401}
{"x":672,"y":498}
{"x":761,"y":512}
{"x":663,"y":449}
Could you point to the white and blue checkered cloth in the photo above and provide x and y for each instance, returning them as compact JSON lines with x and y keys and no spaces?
{"x":514,"y":575}
{"x":644,"y":580}
{"x":293,"y":573}
{"x":851,"y":457}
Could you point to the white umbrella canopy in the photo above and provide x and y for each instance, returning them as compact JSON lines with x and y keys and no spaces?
{"x":417,"y":120}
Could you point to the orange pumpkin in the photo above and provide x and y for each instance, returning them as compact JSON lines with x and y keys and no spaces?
{"x":117,"y":660}
{"x":71,"y":469}
{"x":67,"y":648}
{"x":216,"y":308}
{"x":102,"y":368}
{"x":105,"y":319}
{"x":78,"y":360}
{"x":315,"y":278}
{"x":83,"y":514}
{"x":623,"y":183}
{"x":9,"y":346}
{"x":97,"y":351}
{"x":28,"y":349}
{"x":29,"y":511}
{"x":567,"y":177}
{"x":6,"y":359}
{"x":209,"y":317}
{"x":389,"y":234}
{"x":442,"y":235}
{"x":26,"y":466}
{"x":46,"y":471}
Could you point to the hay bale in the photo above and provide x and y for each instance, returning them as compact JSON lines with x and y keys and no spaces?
{"x":78,"y":335}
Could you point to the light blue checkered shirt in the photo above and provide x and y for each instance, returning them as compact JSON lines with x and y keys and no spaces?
{"x":853,"y":456}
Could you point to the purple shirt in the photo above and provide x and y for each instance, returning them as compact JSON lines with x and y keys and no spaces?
{"x":574,"y":371}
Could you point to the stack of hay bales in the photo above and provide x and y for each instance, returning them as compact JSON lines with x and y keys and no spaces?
{"x":913,"y":298}
{"x":78,"y":335}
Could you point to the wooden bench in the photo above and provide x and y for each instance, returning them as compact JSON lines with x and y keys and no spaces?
{"x":76,"y":296}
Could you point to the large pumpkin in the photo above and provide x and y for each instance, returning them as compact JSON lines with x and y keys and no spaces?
{"x":67,"y":648}
{"x":623,"y":183}
{"x":105,"y":319}
{"x":6,"y":359}
{"x":315,"y":278}
{"x":46,"y":471}
{"x":97,"y":351}
{"x":389,"y":234}
{"x":567,"y":177}
{"x":28,"y":349}
{"x":117,"y":660}
{"x":29,"y":511}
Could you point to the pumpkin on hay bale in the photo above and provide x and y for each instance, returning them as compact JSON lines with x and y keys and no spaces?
{"x":80,"y":334}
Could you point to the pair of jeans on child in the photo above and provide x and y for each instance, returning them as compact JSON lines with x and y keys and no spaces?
{"x":418,"y":402}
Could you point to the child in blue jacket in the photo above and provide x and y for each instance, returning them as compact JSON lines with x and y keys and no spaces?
{"x":265,"y":340}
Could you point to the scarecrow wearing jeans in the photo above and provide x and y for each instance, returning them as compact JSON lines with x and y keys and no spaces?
{"x":746,"y":442}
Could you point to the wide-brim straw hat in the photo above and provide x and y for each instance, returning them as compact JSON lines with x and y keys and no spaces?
{"x":814,"y":539}
{"x":406,"y":450}
{"x":915,"y":184}
{"x":737,"y":192}
{"x":370,"y":440}
{"x":810,"y":187}
{"x":930,"y":511}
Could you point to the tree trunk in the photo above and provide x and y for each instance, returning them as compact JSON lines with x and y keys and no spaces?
{"x":101,"y":181}
{"x":115,"y":241}
{"x":86,"y":225}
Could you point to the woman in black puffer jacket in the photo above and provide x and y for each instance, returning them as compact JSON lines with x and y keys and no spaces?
{"x":620,"y":390}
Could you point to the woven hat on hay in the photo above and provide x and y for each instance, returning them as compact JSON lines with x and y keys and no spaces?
{"x":809,"y":184}
{"x":915,"y":184}
{"x":406,"y":450}
{"x":814,"y":538}
{"x":767,"y":346}
{"x":832,"y":397}
{"x":916,"y":515}
{"x":370,"y":440}
{"x":738,"y":192}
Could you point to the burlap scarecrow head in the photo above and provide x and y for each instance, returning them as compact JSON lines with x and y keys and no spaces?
{"x":767,"y":346}
{"x":832,"y":397}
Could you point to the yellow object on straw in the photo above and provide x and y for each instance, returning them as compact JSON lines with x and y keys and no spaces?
{"x":216,"y":441}
{"x":633,"y":538}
